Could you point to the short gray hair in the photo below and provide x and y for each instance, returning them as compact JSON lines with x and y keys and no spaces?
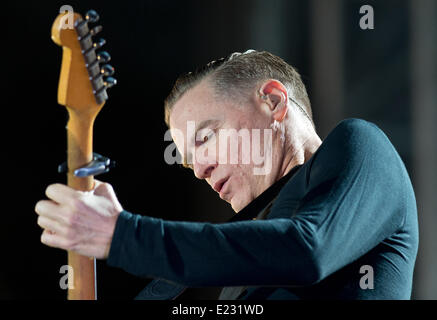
{"x":241,"y":72}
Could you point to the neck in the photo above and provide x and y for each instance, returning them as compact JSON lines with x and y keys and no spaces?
{"x":299,"y":155}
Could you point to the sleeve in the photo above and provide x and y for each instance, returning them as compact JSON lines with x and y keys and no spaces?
{"x":353,"y":200}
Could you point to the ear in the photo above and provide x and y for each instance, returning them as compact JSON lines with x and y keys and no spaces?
{"x":275,"y":95}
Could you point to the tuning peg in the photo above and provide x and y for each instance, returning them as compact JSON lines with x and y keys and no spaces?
{"x":96,"y":30}
{"x":100,"y":43}
{"x":101,"y":95}
{"x":103,"y":57}
{"x":110,"y":81}
{"x":81,"y":27}
{"x":92,"y":16}
{"x":107,"y":70}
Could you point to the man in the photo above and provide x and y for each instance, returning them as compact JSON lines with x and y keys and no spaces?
{"x":333,"y":220}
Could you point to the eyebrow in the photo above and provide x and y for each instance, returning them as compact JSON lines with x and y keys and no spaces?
{"x":206,"y":123}
{"x":202,"y":125}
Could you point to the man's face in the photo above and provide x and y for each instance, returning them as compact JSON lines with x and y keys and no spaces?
{"x":204,"y":124}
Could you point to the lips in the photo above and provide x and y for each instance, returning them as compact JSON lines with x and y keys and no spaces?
{"x":218,"y":186}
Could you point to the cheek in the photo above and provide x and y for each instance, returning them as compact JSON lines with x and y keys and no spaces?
{"x":244,"y":179}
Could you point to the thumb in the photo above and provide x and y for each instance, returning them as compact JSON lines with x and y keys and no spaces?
{"x":104,"y":189}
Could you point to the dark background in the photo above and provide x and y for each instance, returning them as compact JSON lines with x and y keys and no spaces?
{"x":386,"y":75}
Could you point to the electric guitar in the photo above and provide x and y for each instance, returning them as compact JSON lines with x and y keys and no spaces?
{"x":82,"y":90}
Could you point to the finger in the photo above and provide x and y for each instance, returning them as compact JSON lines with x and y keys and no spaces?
{"x":54,"y":211}
{"x":47,"y":208}
{"x":97,"y":183}
{"x":103,"y":189}
{"x":51,"y":225}
{"x":61,"y":193}
{"x":54,"y":240}
{"x":106,"y":190}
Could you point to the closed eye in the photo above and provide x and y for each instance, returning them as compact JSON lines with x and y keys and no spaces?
{"x":205,"y":138}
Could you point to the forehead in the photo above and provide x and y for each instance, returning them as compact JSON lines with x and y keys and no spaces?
{"x":196,"y":104}
{"x":196,"y":108}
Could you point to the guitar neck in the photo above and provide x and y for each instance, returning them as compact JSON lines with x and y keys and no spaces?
{"x":82,"y":89}
{"x":79,"y":143}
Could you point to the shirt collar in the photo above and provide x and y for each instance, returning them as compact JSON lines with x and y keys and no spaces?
{"x":259,"y":203}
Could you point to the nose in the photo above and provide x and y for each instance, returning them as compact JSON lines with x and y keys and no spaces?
{"x":205,"y":160}
{"x":203,"y":170}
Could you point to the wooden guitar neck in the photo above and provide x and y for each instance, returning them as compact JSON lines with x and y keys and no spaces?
{"x":80,"y":152}
{"x":82,"y":89}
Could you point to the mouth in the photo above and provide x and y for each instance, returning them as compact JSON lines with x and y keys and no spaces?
{"x":219,"y":185}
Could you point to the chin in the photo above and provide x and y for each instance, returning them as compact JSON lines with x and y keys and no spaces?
{"x":235,"y":208}
{"x":238,"y":204}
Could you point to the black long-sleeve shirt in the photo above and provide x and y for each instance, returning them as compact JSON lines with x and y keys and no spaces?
{"x":350,"y":205}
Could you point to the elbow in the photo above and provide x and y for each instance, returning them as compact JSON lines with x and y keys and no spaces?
{"x":307,"y":274}
{"x":313,"y":269}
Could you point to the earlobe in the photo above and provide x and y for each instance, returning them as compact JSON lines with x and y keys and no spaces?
{"x":280,"y":113}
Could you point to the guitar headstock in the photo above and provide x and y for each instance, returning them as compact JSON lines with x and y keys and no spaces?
{"x":83,"y":80}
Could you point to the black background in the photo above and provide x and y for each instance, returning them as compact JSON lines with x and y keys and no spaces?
{"x":151,"y":43}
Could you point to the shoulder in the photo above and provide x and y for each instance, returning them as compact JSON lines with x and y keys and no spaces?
{"x":354,"y":144}
{"x":354,"y":138}
{"x":355,"y":160}
{"x":357,"y":134}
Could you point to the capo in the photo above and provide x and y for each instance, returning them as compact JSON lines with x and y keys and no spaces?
{"x":98,"y":165}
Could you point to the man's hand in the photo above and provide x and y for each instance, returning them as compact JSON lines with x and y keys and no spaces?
{"x":79,"y":221}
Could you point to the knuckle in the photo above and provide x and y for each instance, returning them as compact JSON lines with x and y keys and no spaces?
{"x":69,"y":238}
{"x":38,"y":207}
{"x":76,"y":194}
{"x":42,"y":206}
{"x":50,"y":189}
{"x":71,"y":245}
{"x":43,"y":238}
{"x":78,"y":204}
{"x":72,"y":218}
{"x":69,"y":235}
{"x":40,"y":222}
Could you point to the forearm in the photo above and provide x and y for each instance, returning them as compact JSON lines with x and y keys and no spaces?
{"x":264,"y":252}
